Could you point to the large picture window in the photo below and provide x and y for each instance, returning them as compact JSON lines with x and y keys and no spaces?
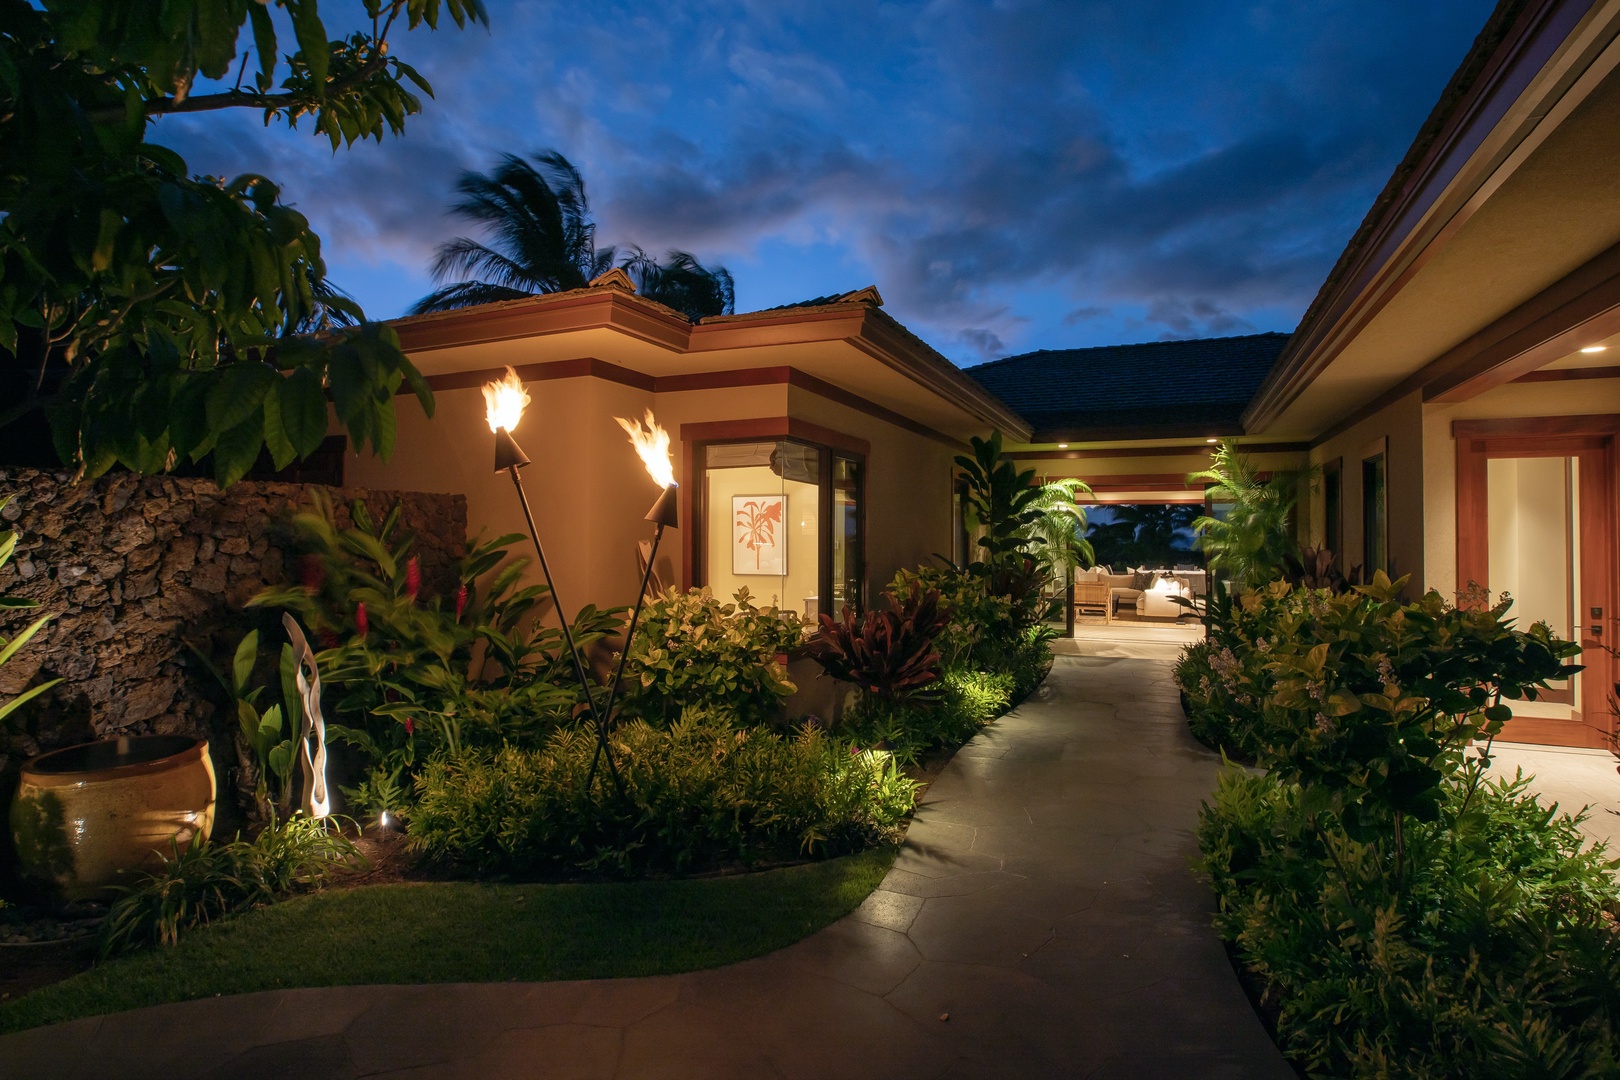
{"x":785,"y":518}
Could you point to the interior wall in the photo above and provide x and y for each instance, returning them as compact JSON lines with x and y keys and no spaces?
{"x":800,"y":526}
{"x":1582,"y":397}
{"x":1398,"y":431}
{"x":1528,"y":500}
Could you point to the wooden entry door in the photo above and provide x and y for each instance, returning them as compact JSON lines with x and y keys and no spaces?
{"x":1486,"y":463}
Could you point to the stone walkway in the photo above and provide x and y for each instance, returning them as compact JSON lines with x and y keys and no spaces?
{"x":1041,"y":921}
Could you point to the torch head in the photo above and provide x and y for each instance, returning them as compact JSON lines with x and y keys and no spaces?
{"x":665,"y":513}
{"x":508,"y":454}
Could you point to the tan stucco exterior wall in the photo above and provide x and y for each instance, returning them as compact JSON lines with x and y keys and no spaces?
{"x":1398,"y":430}
{"x":589,"y":491}
{"x":1440,"y":453}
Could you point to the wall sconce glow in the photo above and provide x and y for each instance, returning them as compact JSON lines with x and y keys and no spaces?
{"x":652,"y":446}
{"x":504,"y":401}
{"x":1595,"y":348}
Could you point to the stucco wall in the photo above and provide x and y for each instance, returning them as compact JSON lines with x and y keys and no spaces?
{"x":589,"y":491}
{"x":1402,"y":425}
{"x":1440,"y":453}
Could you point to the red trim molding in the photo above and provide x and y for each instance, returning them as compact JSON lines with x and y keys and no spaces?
{"x":1574,"y":374}
{"x":1590,"y":424}
{"x":585,"y":367}
{"x":591,"y":368}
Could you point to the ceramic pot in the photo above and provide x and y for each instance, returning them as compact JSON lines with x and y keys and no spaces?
{"x":85,"y":816}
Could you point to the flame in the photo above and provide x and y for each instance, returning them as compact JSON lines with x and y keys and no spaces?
{"x":504,"y":400}
{"x":652,"y":446}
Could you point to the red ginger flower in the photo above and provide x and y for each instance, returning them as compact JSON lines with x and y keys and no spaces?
{"x":361,"y":623}
{"x":413,"y":577}
{"x":410,"y":726}
{"x":461,"y":600}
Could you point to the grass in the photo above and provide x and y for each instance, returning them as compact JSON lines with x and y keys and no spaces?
{"x":464,"y":932}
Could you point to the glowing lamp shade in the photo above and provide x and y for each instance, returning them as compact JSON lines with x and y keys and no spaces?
{"x":504,"y":401}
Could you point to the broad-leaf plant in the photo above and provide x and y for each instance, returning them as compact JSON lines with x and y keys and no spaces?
{"x":161,"y":317}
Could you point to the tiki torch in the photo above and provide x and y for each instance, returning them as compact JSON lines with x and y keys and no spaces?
{"x":504,"y":401}
{"x":652,"y":446}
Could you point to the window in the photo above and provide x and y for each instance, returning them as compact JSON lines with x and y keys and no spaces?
{"x":1374,"y":514}
{"x":1333,"y":510}
{"x":786,"y":519}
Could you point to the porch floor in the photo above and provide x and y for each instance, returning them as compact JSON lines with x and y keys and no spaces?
{"x":1041,"y":920}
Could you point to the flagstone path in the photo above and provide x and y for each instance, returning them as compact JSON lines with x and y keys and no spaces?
{"x":1041,"y":921}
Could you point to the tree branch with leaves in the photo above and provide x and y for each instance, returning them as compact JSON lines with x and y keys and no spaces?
{"x":158,"y":316}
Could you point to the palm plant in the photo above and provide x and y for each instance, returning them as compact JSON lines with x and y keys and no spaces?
{"x":1256,"y":537}
{"x":543,"y":240}
{"x":1061,"y":527}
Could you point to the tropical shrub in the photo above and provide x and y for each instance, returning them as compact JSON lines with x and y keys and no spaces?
{"x":964,"y":703}
{"x":1255,"y":537}
{"x":699,"y":793}
{"x":693,"y":652}
{"x":208,"y":881}
{"x":398,"y":664}
{"x":888,"y":653}
{"x":1496,"y":954}
{"x":1406,"y":916}
{"x":973,"y":614}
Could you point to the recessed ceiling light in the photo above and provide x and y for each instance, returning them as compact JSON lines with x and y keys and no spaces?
{"x":1595,"y":348}
{"x":1063,"y":446}
{"x":1211,"y":440}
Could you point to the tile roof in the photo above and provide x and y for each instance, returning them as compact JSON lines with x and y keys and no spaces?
{"x":1200,"y":386}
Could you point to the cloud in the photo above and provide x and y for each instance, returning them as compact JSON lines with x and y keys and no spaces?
{"x":1012,"y":176}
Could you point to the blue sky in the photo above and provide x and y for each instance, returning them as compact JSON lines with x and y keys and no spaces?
{"x":1011,"y":175}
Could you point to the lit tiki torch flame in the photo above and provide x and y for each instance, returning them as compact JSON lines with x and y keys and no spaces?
{"x":652,"y":446}
{"x":504,"y":400}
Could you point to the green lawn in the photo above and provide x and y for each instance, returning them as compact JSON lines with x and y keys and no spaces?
{"x":461,"y":932}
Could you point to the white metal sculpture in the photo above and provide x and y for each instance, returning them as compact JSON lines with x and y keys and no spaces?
{"x":317,"y":800}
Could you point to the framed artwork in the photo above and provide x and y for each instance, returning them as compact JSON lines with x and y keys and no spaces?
{"x":758,"y":541}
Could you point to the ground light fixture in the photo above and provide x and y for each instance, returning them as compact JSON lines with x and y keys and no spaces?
{"x":652,"y":446}
{"x":504,"y":401}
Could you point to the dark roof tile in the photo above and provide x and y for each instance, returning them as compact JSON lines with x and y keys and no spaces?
{"x":1200,"y":382}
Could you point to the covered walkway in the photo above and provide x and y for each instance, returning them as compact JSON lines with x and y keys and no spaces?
{"x":1041,"y":921}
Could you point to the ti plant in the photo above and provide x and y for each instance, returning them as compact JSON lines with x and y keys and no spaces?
{"x":889,"y":654}
{"x":10,"y":646}
{"x":266,"y":741}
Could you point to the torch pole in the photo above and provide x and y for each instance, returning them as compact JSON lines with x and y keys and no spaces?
{"x":568,"y":639}
{"x":630,"y":637}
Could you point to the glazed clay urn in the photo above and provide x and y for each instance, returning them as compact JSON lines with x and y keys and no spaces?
{"x":85,"y":816}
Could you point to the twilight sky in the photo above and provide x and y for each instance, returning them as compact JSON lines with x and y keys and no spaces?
{"x":1011,"y":175}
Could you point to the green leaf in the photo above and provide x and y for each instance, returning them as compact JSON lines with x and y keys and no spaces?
{"x":303,"y":410}
{"x":23,"y":638}
{"x":247,"y":654}
{"x":238,"y":394}
{"x":312,"y":43}
{"x":280,"y":758}
{"x":282,"y":452}
{"x":26,"y":696}
{"x":264,"y":43}
{"x":237,"y":449}
{"x":289,"y":689}
{"x":269,"y":729}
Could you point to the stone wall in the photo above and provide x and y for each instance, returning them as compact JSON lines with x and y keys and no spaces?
{"x":133,"y":568}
